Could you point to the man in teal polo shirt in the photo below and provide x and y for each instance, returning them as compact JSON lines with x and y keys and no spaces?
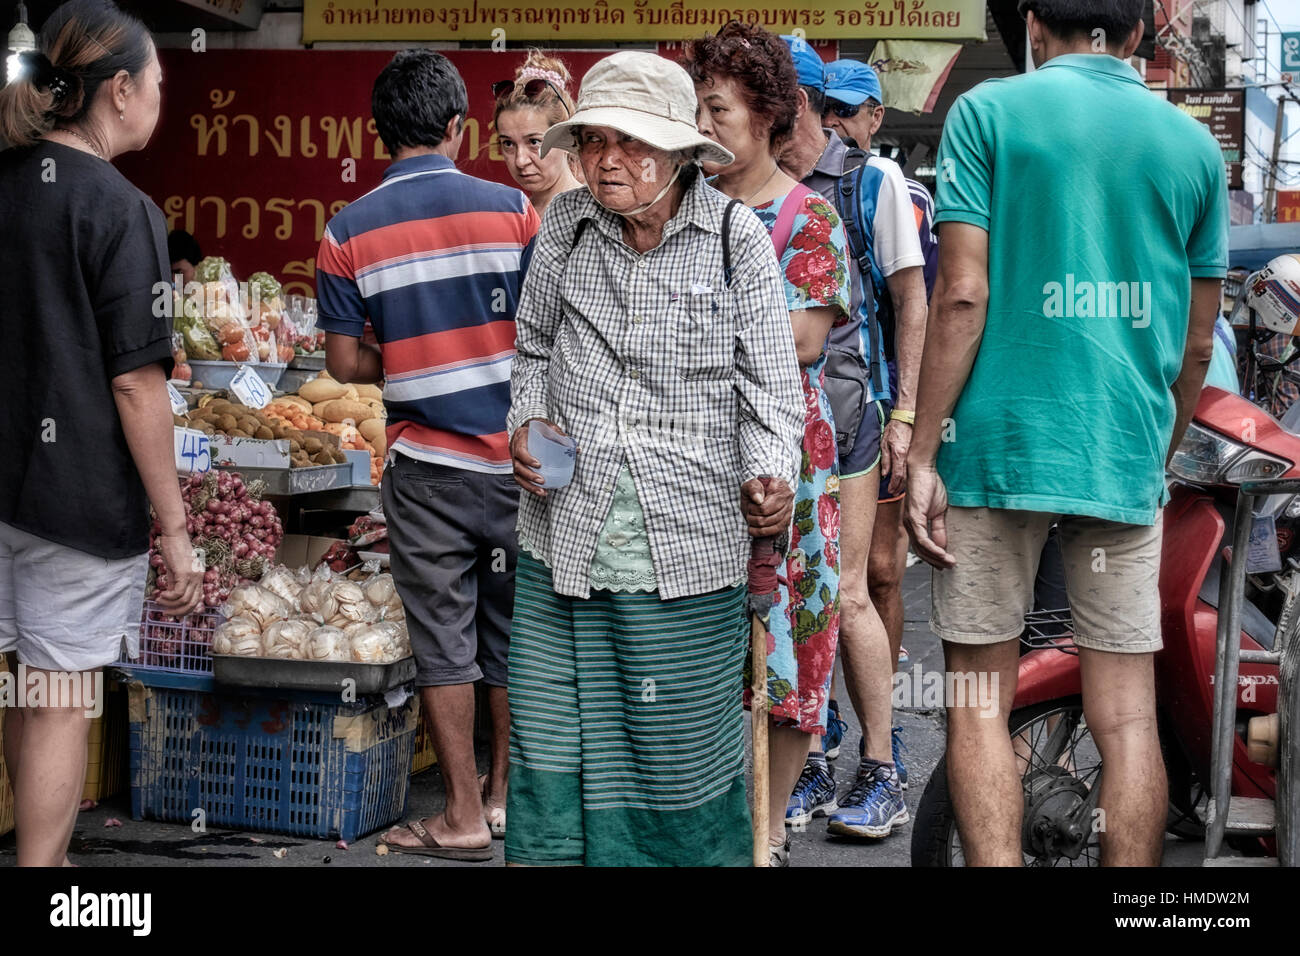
{"x":1083,"y":239}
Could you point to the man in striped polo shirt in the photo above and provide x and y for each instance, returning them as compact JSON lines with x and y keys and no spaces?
{"x":434,"y":260}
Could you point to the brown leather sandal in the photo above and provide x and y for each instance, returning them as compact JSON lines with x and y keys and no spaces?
{"x":431,"y":847}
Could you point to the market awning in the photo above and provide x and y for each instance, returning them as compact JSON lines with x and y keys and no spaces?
{"x":1250,"y":247}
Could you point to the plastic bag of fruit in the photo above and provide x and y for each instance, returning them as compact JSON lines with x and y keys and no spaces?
{"x":181,"y":373}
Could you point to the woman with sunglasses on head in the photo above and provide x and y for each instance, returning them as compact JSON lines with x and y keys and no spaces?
{"x":747,"y":90}
{"x":526,"y":107}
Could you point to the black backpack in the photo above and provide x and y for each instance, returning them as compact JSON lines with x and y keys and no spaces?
{"x":846,"y":374}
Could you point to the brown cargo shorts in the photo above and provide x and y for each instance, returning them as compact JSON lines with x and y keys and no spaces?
{"x":1112,"y":574}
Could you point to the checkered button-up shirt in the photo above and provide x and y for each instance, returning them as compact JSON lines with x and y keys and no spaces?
{"x":652,"y":359}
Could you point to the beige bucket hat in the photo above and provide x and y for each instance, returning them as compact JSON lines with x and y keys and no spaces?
{"x":643,"y":95}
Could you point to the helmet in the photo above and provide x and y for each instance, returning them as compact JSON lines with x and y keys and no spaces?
{"x":1274,"y":294}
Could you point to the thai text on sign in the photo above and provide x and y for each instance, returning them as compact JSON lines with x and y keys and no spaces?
{"x":631,"y":20}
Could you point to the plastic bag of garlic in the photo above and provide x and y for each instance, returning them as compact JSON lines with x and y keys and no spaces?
{"x":321,"y":616}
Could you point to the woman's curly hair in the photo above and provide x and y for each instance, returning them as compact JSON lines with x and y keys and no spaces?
{"x":761,"y":65}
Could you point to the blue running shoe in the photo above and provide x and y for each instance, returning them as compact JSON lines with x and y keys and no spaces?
{"x":873,"y":807}
{"x":834,"y":735}
{"x":896,"y":745}
{"x":814,"y":795}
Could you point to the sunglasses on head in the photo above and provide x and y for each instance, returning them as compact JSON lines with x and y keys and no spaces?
{"x":842,"y":110}
{"x":532,"y":89}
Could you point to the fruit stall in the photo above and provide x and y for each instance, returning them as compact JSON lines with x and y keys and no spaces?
{"x":296,"y":670}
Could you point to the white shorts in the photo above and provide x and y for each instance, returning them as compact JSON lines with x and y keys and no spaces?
{"x":64,"y":610}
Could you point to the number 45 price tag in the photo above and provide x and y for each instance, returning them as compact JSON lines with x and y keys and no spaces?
{"x":249,"y":388}
{"x":192,"y":451}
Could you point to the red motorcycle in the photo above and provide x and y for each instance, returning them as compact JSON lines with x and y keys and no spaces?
{"x":1229,"y":441}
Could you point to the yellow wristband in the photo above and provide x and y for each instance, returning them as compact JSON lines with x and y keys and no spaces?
{"x":898,"y":415}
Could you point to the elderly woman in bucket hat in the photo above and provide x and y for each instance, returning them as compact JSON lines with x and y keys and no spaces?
{"x":652,"y":329}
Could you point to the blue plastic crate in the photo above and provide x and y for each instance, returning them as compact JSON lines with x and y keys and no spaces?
{"x":290,"y":763}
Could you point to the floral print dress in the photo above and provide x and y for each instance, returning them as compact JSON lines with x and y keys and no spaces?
{"x":804,"y":624}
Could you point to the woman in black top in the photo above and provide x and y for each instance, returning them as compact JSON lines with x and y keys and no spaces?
{"x":83,"y":402}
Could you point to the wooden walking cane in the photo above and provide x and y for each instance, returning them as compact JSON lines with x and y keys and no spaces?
{"x":763,"y":561}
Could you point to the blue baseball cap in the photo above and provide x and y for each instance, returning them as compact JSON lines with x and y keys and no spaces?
{"x":852,"y":82}
{"x":807,"y":63}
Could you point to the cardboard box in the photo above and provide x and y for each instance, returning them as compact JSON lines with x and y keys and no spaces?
{"x":303,"y":550}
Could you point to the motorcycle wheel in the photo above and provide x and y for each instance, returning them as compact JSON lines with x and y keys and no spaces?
{"x":935,"y":841}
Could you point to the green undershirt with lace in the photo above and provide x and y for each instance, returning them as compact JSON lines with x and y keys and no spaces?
{"x":622,"y":560}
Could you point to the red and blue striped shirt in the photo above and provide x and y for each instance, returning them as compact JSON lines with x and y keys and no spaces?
{"x":435,"y":260}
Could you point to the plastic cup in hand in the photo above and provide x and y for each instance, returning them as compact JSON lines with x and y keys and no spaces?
{"x":556,"y":452}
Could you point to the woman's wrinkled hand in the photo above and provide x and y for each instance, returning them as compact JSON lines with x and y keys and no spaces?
{"x":528,"y":479}
{"x":766,"y":512}
{"x":185,"y":573}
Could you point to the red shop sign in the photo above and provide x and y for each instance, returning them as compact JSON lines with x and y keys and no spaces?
{"x":256,"y":149}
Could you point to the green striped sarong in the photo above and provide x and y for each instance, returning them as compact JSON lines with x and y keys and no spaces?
{"x":626,"y":728}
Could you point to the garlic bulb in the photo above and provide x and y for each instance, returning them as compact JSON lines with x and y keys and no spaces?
{"x":317,"y":599}
{"x":403,"y":642}
{"x":382,"y":593}
{"x":397,"y":639}
{"x":328,"y":644}
{"x":280,"y":581}
{"x":380,"y":589}
{"x":286,"y":640}
{"x":372,"y":645}
{"x":351,"y":602}
{"x":263,"y":606}
{"x":240,"y":636}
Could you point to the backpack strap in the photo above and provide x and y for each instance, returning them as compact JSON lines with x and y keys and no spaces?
{"x":785,"y":218}
{"x":727,"y":269}
{"x":583,"y":223}
{"x":850,"y":187}
{"x":727,"y":262}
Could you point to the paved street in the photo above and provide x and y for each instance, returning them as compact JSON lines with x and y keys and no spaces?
{"x":147,"y":843}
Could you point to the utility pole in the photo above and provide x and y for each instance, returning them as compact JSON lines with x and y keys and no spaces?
{"x":1270,"y":212}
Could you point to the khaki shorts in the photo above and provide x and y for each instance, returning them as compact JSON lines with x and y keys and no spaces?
{"x":1112,"y":574}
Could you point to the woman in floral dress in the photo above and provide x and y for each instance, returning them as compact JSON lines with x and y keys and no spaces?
{"x":746,"y":88}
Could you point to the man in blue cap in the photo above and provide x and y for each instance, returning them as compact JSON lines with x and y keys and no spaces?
{"x":887,"y":264}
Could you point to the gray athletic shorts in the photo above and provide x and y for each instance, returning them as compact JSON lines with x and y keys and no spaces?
{"x":451,"y":534}
{"x":65,"y":610}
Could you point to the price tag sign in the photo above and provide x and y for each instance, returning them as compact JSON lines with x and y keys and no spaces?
{"x":249,"y":388}
{"x":192,"y":451}
{"x":179,"y":405}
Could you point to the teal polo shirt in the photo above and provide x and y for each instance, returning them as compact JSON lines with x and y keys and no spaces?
{"x":1101,"y":202}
